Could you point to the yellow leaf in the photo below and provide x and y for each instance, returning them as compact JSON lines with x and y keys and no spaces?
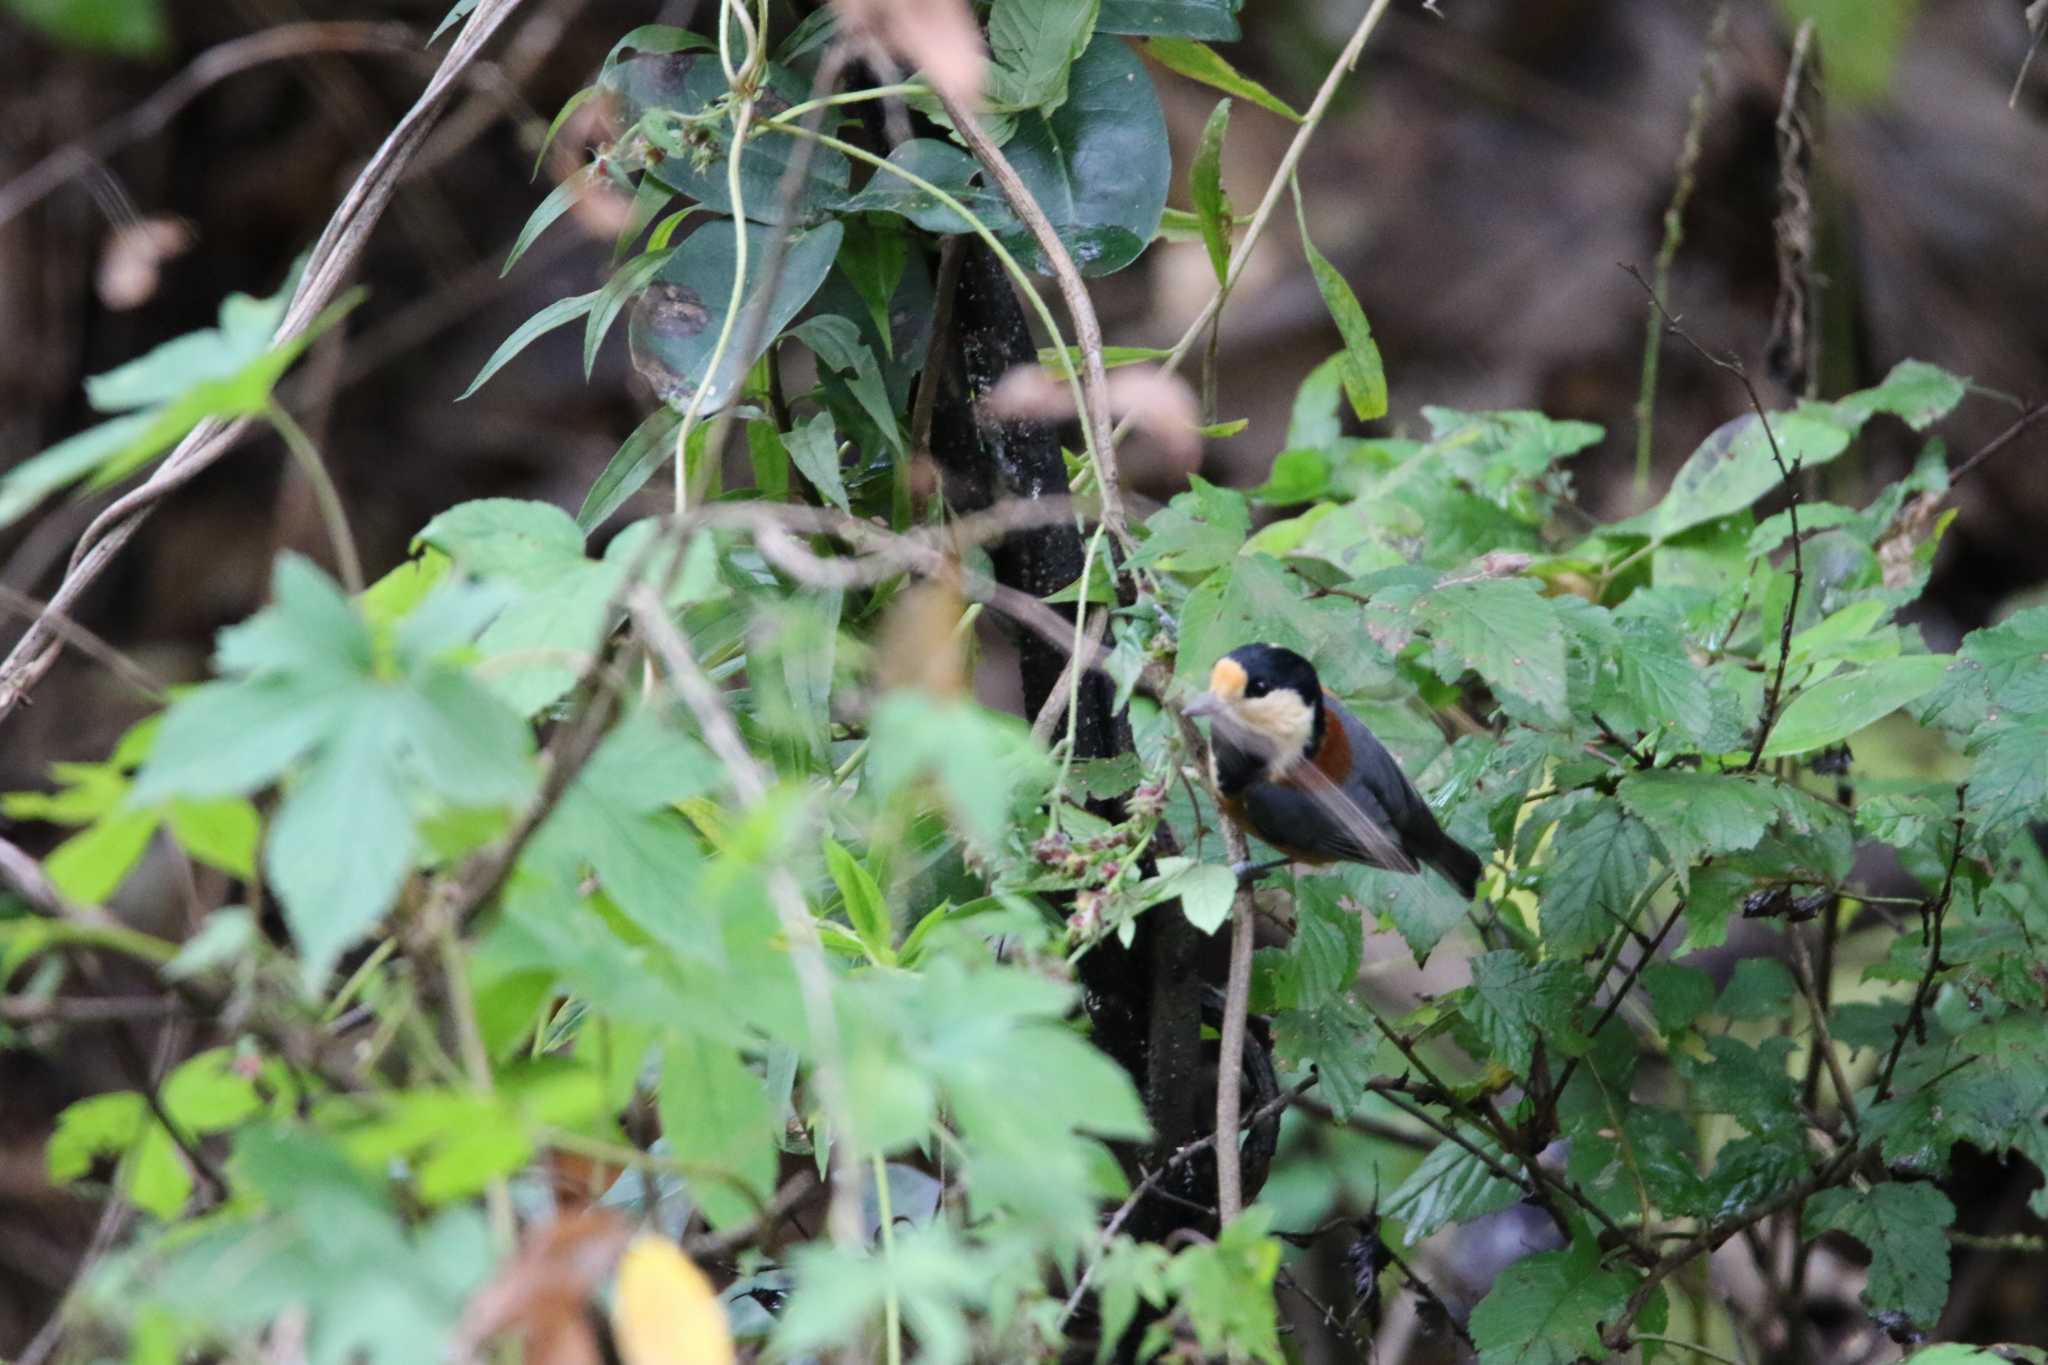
{"x":665,"y":1311}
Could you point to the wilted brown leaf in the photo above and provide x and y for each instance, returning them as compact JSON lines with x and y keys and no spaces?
{"x":665,"y":1312}
{"x":938,"y":37}
{"x":541,"y":1292}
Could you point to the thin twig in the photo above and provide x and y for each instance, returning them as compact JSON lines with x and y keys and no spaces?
{"x":1774,"y":694}
{"x":1823,"y":1041}
{"x":1282,"y":174}
{"x":1080,"y":308}
{"x":1914,"y":1025}
{"x":85,"y":642}
{"x":306,"y":456}
{"x":281,"y":43}
{"x":1179,"y":1158}
{"x":1674,"y":236}
{"x":2033,"y":414}
{"x":328,"y":266}
{"x":807,"y":951}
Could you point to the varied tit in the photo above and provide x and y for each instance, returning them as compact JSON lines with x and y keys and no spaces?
{"x":1305,"y":775}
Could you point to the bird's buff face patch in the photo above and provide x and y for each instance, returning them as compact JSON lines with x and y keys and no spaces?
{"x":1281,"y":722}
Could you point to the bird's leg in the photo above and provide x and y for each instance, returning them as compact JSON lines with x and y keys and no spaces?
{"x":1248,"y":871}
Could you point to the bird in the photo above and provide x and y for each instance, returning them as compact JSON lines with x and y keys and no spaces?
{"x":1295,"y":768}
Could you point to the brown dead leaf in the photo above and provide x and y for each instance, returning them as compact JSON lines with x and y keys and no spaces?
{"x":1900,"y":544}
{"x":938,"y":37}
{"x":132,"y":261}
{"x":664,"y":1311}
{"x":541,"y":1292}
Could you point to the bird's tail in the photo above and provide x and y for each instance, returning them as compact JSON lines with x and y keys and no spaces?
{"x":1456,"y":862}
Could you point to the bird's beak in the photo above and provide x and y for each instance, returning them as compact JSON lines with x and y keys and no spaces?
{"x":1206,"y":704}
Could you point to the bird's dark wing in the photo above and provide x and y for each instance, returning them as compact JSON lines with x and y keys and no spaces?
{"x":1376,"y":777}
{"x":1308,"y":816}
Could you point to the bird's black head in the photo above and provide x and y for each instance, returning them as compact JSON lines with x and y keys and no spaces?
{"x":1266,"y":669}
{"x":1265,"y":697}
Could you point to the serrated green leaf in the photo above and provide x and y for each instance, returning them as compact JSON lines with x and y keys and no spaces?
{"x":1598,"y":866}
{"x":1516,"y":1001}
{"x":1697,"y":813}
{"x":1905,"y":1226}
{"x":1504,"y":630}
{"x":1032,"y":45}
{"x":1451,"y":1186}
{"x":1734,"y":467}
{"x":1549,"y":1309}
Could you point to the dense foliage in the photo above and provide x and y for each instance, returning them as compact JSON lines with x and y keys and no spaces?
{"x":687,"y":863}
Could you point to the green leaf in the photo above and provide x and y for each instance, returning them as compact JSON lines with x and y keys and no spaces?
{"x":676,"y":322}
{"x":559,"y":201}
{"x":124,"y":28}
{"x":651,"y":445}
{"x":2009,"y":773}
{"x":1916,"y":392}
{"x":1199,"y":530}
{"x":1647,"y":679}
{"x":1210,"y":20}
{"x":872,"y":257}
{"x":1599,"y":864}
{"x":1863,"y":38}
{"x":862,"y":895}
{"x":1205,"y":187}
{"x":671,"y":95}
{"x":1451,"y":1186}
{"x":1504,"y":630}
{"x":1846,"y":703}
{"x":716,"y":1117}
{"x":1098,"y":165}
{"x":1733,"y":467}
{"x":89,"y":866}
{"x":1033,"y":44}
{"x":1200,"y":62}
{"x":983,"y":762}
{"x":624,"y":286}
{"x":1761,"y":988}
{"x":1516,"y":1001}
{"x":1678,"y":994}
{"x":814,"y":449}
{"x":945,"y":167}
{"x":1696,"y":813}
{"x":1206,"y":891}
{"x":1905,"y":1226}
{"x":560,"y":313}
{"x":838,"y":346}
{"x":1365,"y":377}
{"x":341,"y":844}
{"x":1549,"y":1309}
{"x":1997,"y":667}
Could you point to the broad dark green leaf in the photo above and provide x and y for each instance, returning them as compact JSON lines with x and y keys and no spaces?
{"x":1548,"y":1309}
{"x":940,"y":165}
{"x":716,"y":1117}
{"x":659,"y":89}
{"x":676,"y":322}
{"x":1696,"y":813}
{"x":1099,"y":165}
{"x":1504,"y":630}
{"x":2002,"y":668}
{"x":1210,"y":20}
{"x":1599,"y":864}
{"x":1905,"y":1227}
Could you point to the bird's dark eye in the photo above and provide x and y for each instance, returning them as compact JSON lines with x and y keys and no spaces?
{"x":1255,"y":688}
